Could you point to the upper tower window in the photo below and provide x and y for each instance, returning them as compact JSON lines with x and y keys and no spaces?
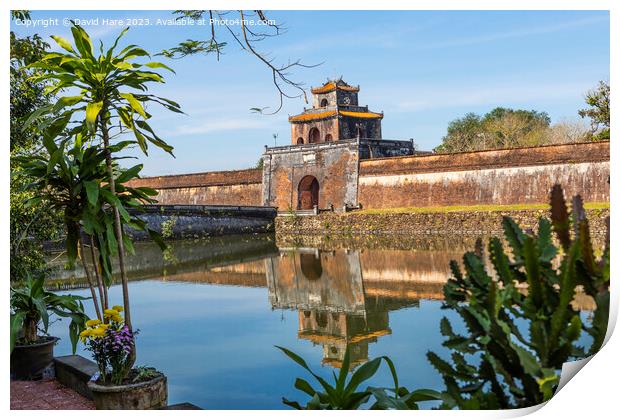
{"x":324,"y":103}
{"x":314,"y":136}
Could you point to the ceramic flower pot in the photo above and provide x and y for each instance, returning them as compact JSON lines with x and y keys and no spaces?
{"x":28,"y":361}
{"x":147,"y":395}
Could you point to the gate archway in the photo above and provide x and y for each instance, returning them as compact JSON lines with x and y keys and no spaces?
{"x":311,"y":266}
{"x":307,"y":193}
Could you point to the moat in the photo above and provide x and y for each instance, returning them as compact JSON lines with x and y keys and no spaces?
{"x":211,"y":311}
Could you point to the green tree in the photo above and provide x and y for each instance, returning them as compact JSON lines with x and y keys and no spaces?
{"x":499,"y":128}
{"x":598,"y":111}
{"x":30,"y":225}
{"x":464,"y":134}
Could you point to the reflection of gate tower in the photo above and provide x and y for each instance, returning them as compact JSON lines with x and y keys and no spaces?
{"x":326,"y":288}
{"x":335,"y":330}
{"x":319,"y":170}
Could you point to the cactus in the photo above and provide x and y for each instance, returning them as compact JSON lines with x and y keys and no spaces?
{"x":517,"y":340}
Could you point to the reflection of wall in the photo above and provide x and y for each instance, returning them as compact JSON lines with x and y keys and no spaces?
{"x":191,"y":258}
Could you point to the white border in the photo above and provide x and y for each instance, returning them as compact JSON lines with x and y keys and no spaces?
{"x":592,"y":394}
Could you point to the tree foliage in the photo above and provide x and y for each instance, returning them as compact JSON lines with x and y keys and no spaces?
{"x":598,"y":110}
{"x":30,"y":225}
{"x":506,"y":128}
{"x":499,"y":128}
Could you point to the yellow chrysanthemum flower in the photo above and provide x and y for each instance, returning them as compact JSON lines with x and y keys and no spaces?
{"x":92,"y":322}
{"x":117,"y":318}
{"x":97,"y":332}
{"x":104,"y":326}
{"x":118,"y":308}
{"x":85,"y":333}
{"x":109,"y":313}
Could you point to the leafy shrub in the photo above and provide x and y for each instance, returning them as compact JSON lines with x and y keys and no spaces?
{"x":344,"y":395}
{"x":517,"y":340}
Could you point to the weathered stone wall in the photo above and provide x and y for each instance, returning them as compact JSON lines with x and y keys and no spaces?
{"x":242,"y":188}
{"x":240,"y":194}
{"x":334,"y":165}
{"x":508,"y":176}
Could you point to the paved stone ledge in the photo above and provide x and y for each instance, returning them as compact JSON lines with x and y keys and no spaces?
{"x":74,"y":372}
{"x":47,"y":394}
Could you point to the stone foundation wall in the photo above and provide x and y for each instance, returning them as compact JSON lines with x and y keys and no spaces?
{"x":509,"y":176}
{"x":435,"y":223}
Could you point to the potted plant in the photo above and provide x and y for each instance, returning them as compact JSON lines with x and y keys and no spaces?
{"x":111,"y":343}
{"x":31,"y":304}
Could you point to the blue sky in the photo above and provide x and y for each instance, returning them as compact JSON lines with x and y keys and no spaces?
{"x":421,"y":68}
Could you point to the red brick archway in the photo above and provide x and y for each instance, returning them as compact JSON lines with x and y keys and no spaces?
{"x":328,"y":137}
{"x":307,"y":193}
{"x":314,"y":136}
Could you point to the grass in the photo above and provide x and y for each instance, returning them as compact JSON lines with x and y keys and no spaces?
{"x":474,"y":208}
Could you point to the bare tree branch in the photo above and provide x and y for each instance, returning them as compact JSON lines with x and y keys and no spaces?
{"x":246,"y":39}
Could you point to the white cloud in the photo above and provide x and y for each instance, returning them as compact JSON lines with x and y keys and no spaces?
{"x":513,"y":33}
{"x":425,"y":98}
{"x":220,"y":125}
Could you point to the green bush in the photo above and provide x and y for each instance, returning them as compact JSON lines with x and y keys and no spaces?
{"x":520,"y":324}
{"x":344,"y":395}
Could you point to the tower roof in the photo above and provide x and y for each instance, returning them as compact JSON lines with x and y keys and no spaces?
{"x":332,"y":85}
{"x":315,"y":116}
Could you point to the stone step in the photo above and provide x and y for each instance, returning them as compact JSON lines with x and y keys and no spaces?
{"x":74,"y":372}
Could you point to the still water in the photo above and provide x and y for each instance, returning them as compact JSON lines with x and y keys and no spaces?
{"x":209,"y":313}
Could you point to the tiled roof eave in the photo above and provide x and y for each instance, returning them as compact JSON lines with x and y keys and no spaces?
{"x":330,"y":87}
{"x":305,"y":118}
{"x":367,"y":115}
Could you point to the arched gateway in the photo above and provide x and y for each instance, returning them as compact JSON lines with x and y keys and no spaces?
{"x":307,"y":193}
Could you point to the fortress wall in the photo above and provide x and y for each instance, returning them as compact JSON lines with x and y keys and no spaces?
{"x":242,"y":188}
{"x":239,"y":195}
{"x":507,"y":176}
